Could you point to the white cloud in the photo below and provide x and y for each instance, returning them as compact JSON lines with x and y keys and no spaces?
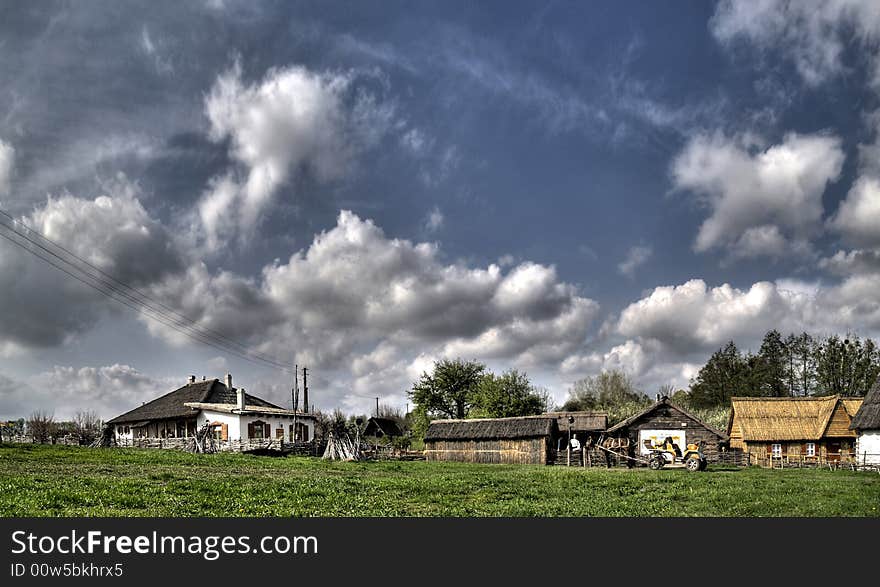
{"x":635,"y":258}
{"x":760,"y":201}
{"x":113,"y":232}
{"x":366,"y":306}
{"x":292,"y":123}
{"x":693,"y":317}
{"x":846,"y":263}
{"x":858,"y":218}
{"x":7,"y":159}
{"x":63,"y":391}
{"x":814,"y":34}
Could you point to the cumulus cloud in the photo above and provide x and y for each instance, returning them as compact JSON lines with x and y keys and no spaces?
{"x":814,"y":34}
{"x":635,"y":258}
{"x":693,"y":317}
{"x":63,"y":391}
{"x":846,"y":263}
{"x":858,"y":218}
{"x":292,"y":123}
{"x":113,"y":232}
{"x":761,"y":201}
{"x":7,"y":158}
{"x":366,"y":305}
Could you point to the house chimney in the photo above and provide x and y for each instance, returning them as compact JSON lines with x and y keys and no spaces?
{"x":239,"y":396}
{"x":192,"y":378}
{"x":229,"y":381}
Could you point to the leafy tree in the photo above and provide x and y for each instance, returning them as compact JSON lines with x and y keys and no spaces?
{"x":508,"y":395}
{"x":611,"y":391}
{"x":848,"y":367}
{"x":450,"y":391}
{"x":723,"y":376}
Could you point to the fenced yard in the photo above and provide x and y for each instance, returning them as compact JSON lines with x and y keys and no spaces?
{"x":44,"y":480}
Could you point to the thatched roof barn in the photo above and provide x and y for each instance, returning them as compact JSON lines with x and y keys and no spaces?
{"x":583,"y":422}
{"x":523,"y":440}
{"x":866,"y":423}
{"x":793,"y":428}
{"x":664,"y":419}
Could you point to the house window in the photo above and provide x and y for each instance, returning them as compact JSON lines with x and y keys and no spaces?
{"x":811,"y":449}
{"x":776,"y":449}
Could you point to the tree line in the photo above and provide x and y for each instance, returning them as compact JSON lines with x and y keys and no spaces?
{"x":797,"y":365}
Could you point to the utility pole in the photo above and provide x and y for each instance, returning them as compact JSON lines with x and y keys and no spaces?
{"x":305,"y":390}
{"x":377,"y":407}
{"x":295,"y":435}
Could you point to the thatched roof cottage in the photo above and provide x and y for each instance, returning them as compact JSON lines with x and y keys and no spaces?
{"x":866,"y":423}
{"x":802,"y":429}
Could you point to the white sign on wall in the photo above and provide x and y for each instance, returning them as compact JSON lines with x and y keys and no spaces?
{"x":658,"y":436}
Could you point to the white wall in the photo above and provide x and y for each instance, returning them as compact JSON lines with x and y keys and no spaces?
{"x":237,"y":425}
{"x":869,"y":442}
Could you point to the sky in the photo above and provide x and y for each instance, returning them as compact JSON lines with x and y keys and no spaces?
{"x":363,"y":189}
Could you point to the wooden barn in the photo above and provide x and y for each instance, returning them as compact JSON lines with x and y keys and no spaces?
{"x":664,"y":419}
{"x":382,"y":428}
{"x":526,"y":440}
{"x":793,"y":431}
{"x":866,"y":423}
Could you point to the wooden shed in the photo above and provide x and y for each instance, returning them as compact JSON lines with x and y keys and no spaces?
{"x":793,"y":430}
{"x":523,"y":440}
{"x":664,"y":419}
{"x":866,"y":423}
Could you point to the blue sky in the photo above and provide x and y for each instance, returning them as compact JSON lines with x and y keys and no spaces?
{"x":561,"y":188}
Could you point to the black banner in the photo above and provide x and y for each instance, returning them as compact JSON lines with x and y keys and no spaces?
{"x":113,"y":550}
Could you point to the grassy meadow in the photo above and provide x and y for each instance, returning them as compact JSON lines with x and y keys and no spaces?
{"x":74,"y":481}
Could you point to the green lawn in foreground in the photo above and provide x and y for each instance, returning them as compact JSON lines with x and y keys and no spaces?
{"x":74,"y":481}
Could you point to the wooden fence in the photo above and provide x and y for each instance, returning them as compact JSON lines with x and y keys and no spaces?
{"x":846,"y":460}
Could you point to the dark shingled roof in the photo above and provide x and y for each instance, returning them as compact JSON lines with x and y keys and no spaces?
{"x":382,"y":427}
{"x":491,"y":428}
{"x":656,"y":405}
{"x":868,"y":416}
{"x":171,"y":405}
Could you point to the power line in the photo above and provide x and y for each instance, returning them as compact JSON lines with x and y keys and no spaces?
{"x":133,"y":298}
{"x":168,"y":312}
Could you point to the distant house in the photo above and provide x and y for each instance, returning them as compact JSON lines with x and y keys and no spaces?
{"x":532,"y":440}
{"x":232,"y":414}
{"x":866,"y":423}
{"x":382,"y":428}
{"x":803,"y":429}
{"x":664,"y":419}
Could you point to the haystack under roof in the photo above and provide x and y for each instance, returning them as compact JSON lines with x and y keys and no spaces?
{"x":868,"y":415}
{"x":763,"y":419}
{"x":491,"y":428}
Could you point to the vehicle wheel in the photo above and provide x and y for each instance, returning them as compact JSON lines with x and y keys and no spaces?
{"x":656,"y":463}
{"x":694,"y":464}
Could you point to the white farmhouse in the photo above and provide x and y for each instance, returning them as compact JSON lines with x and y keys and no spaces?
{"x":233,"y":414}
{"x":867,"y":424}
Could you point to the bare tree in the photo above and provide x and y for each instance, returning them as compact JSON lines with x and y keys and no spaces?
{"x":41,"y":426}
{"x":87,"y":426}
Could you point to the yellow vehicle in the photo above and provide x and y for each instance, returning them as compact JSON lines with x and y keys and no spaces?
{"x":669,"y":454}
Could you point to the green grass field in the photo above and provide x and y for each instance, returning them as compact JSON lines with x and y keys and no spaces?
{"x":73,"y":481}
